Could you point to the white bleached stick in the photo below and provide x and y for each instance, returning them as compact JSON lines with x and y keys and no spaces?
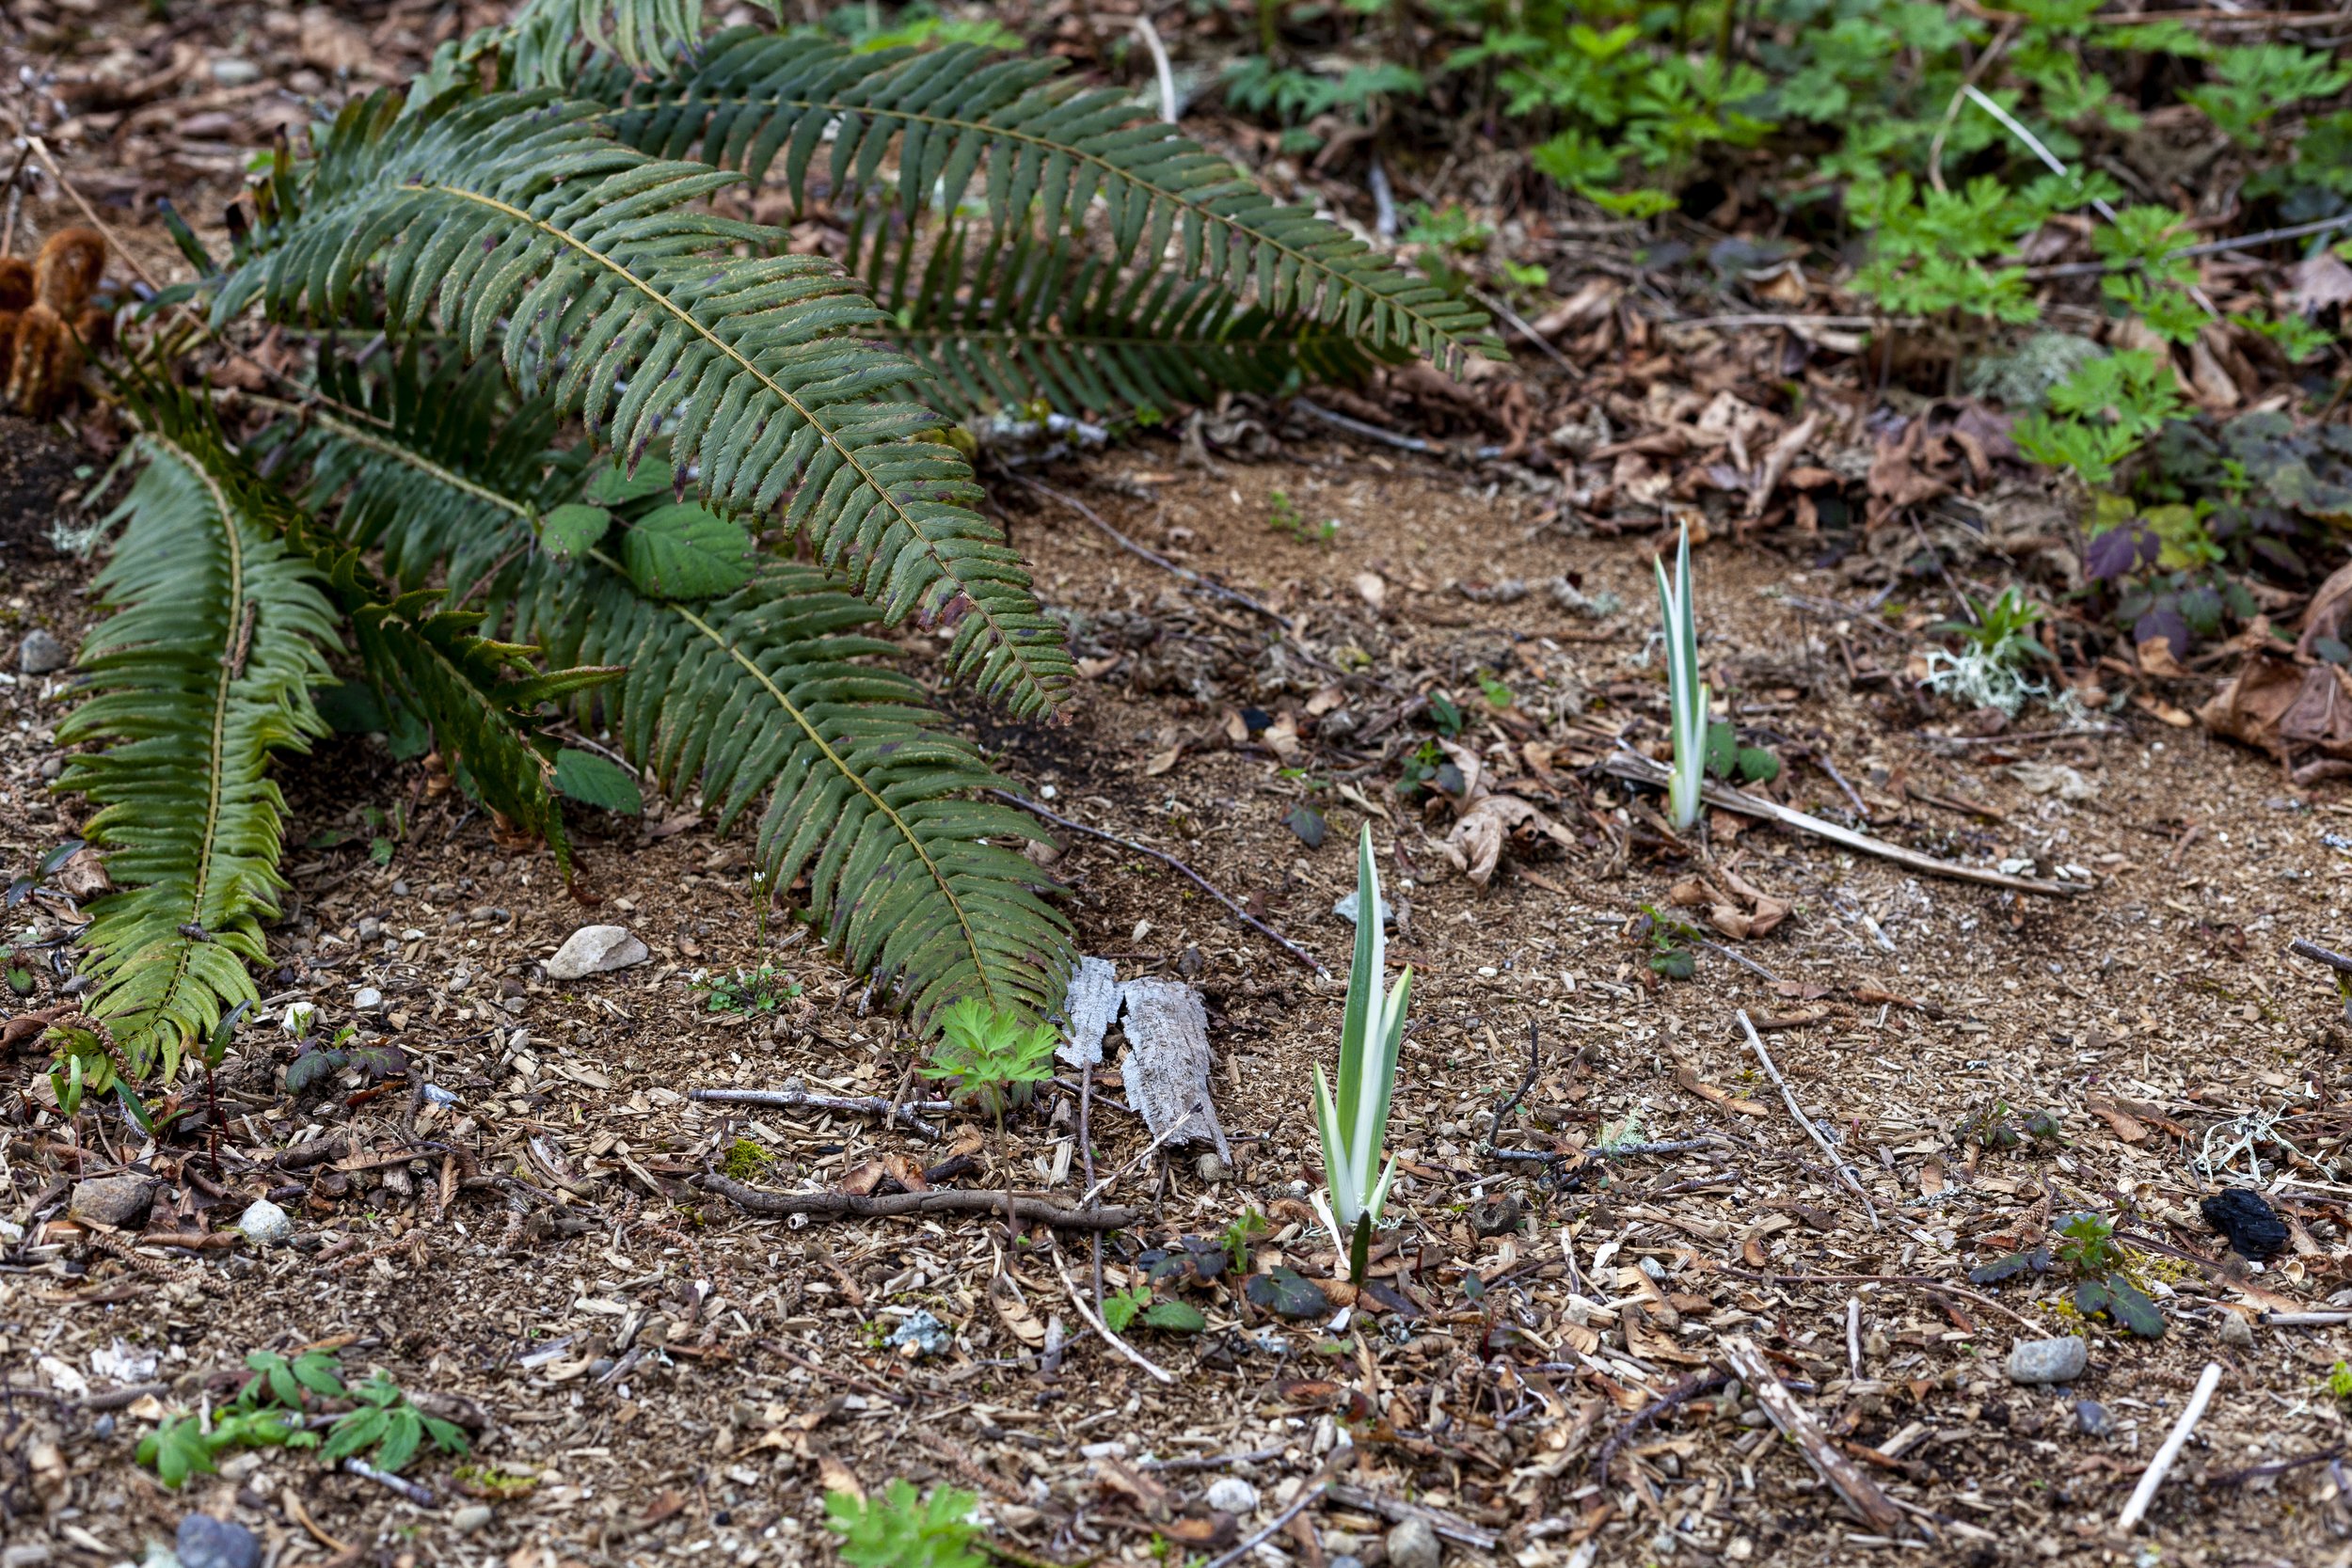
{"x":2145,"y":1493}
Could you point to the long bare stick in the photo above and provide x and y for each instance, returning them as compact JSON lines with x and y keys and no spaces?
{"x":1845,"y":1170}
{"x":1176,"y":865}
{"x":2145,"y":1493}
{"x":1146,"y":553}
{"x":1861,"y":1493}
{"x":1094,"y":1322}
{"x":1086,"y":1200}
{"x":1159,"y":67}
{"x":40,"y":150}
{"x":903,"y":1112}
{"x":1636,"y":769}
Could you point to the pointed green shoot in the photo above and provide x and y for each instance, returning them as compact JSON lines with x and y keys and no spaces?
{"x":1354,"y":1122}
{"x":1686,"y":694}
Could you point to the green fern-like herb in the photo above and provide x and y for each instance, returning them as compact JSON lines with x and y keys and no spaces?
{"x":898,"y":1529}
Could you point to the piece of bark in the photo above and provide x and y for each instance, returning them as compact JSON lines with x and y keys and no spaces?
{"x":1087,"y":1009}
{"x":1167,"y":1063}
{"x":1861,"y":1493}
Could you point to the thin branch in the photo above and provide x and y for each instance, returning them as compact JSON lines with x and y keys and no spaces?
{"x":1341,"y":1457}
{"x":2145,"y":1493}
{"x":1160,"y":67}
{"x":1389,"y":438}
{"x":1521,"y":326}
{"x":1086,"y":1198}
{"x":1094,"y":1322}
{"x":1845,"y":1169}
{"x":901,"y":1112}
{"x":1173,"y":864}
{"x":40,"y":149}
{"x":1146,"y":552}
{"x":834,"y":1206}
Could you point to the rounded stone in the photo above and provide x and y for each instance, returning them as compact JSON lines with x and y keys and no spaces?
{"x":41,"y":653}
{"x":2048,"y":1360}
{"x":470,"y":1518}
{"x":1234,"y":1496}
{"x":264,"y":1224}
{"x":594,"y":950}
{"x":110,"y":1200}
{"x":1413,"y":1545}
{"x":204,"y":1542}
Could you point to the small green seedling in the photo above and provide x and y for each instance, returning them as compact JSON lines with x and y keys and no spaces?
{"x":900,"y":1531}
{"x":1997,"y":648}
{"x":1284,"y":518}
{"x":765,"y":990}
{"x":387,"y":1423}
{"x":1236,"y":1237}
{"x":1686,"y":692}
{"x":1355,"y":1123}
{"x":991,"y":1058}
{"x":1669,"y":942}
{"x":2086,"y":1243}
{"x":2340,"y":1381}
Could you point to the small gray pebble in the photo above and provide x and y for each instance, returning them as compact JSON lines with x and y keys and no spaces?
{"x":367,"y":999}
{"x":51,"y":767}
{"x":1233,"y":1495}
{"x":1413,"y":1545}
{"x":264,"y":1224}
{"x":1346,"y":1559}
{"x":371,"y":928}
{"x":470,"y":1518}
{"x":400,"y":888}
{"x":2048,"y":1360}
{"x":600,"y":1365}
{"x":204,"y":1542}
{"x":41,"y":653}
{"x":1213,"y":1170}
{"x":231,"y":72}
{"x":2092,"y":1418}
{"x":2236,"y":1331}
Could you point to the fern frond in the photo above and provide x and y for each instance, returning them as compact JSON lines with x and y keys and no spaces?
{"x":478,"y":698}
{"x":1019,"y":322}
{"x":200,"y":675}
{"x":761,"y":693}
{"x":758,"y":693}
{"x":543,"y":42}
{"x":512,"y":217}
{"x":1034,"y":151}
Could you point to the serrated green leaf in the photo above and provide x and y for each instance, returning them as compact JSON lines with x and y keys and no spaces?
{"x":570,"y":529}
{"x":595,"y":781}
{"x":685,"y":551}
{"x":1177,"y":1317}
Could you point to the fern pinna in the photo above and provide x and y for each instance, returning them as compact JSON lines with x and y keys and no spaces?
{"x":633,"y":463}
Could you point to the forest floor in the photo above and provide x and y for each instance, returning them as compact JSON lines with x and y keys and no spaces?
{"x":645,"y":1371}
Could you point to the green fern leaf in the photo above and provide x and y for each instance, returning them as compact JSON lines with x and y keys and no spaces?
{"x":1019,"y":322}
{"x":1034,"y":151}
{"x":200,"y":675}
{"x":626,"y":309}
{"x":763,"y":693}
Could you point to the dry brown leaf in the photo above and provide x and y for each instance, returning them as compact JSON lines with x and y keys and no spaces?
{"x":2121,"y":1122}
{"x":1687,"y":1077}
{"x":1475,"y":845}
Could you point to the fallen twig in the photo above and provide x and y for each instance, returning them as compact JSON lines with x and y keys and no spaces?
{"x":1389,"y":438}
{"x":834,"y":1206}
{"x":1174,"y":865}
{"x":1452,"y":1527}
{"x":1096,"y":1189}
{"x":2145,"y":1493}
{"x":1146,"y":553}
{"x":1316,"y":1487}
{"x":421,"y":1496}
{"x":1845,"y":1170}
{"x":1861,"y":1493}
{"x":901,"y":1112}
{"x":1636,"y":769}
{"x":1094,"y":1322}
{"x":2307,"y":949}
{"x":1672,"y":1399}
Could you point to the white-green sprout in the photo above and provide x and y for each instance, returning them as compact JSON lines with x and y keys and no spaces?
{"x":1687,"y":693}
{"x":1354,"y":1122}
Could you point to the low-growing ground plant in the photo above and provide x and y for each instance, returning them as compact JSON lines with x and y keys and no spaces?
{"x":1354,"y":1122}
{"x":902,"y":1530}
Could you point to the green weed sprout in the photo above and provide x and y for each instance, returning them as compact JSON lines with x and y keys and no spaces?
{"x":898,"y":1530}
{"x":992,"y":1056}
{"x":1686,"y":694}
{"x":1355,"y":1123}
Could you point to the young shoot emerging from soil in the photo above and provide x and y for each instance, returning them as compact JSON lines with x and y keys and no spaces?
{"x":1686,"y":692}
{"x":1354,"y":1124}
